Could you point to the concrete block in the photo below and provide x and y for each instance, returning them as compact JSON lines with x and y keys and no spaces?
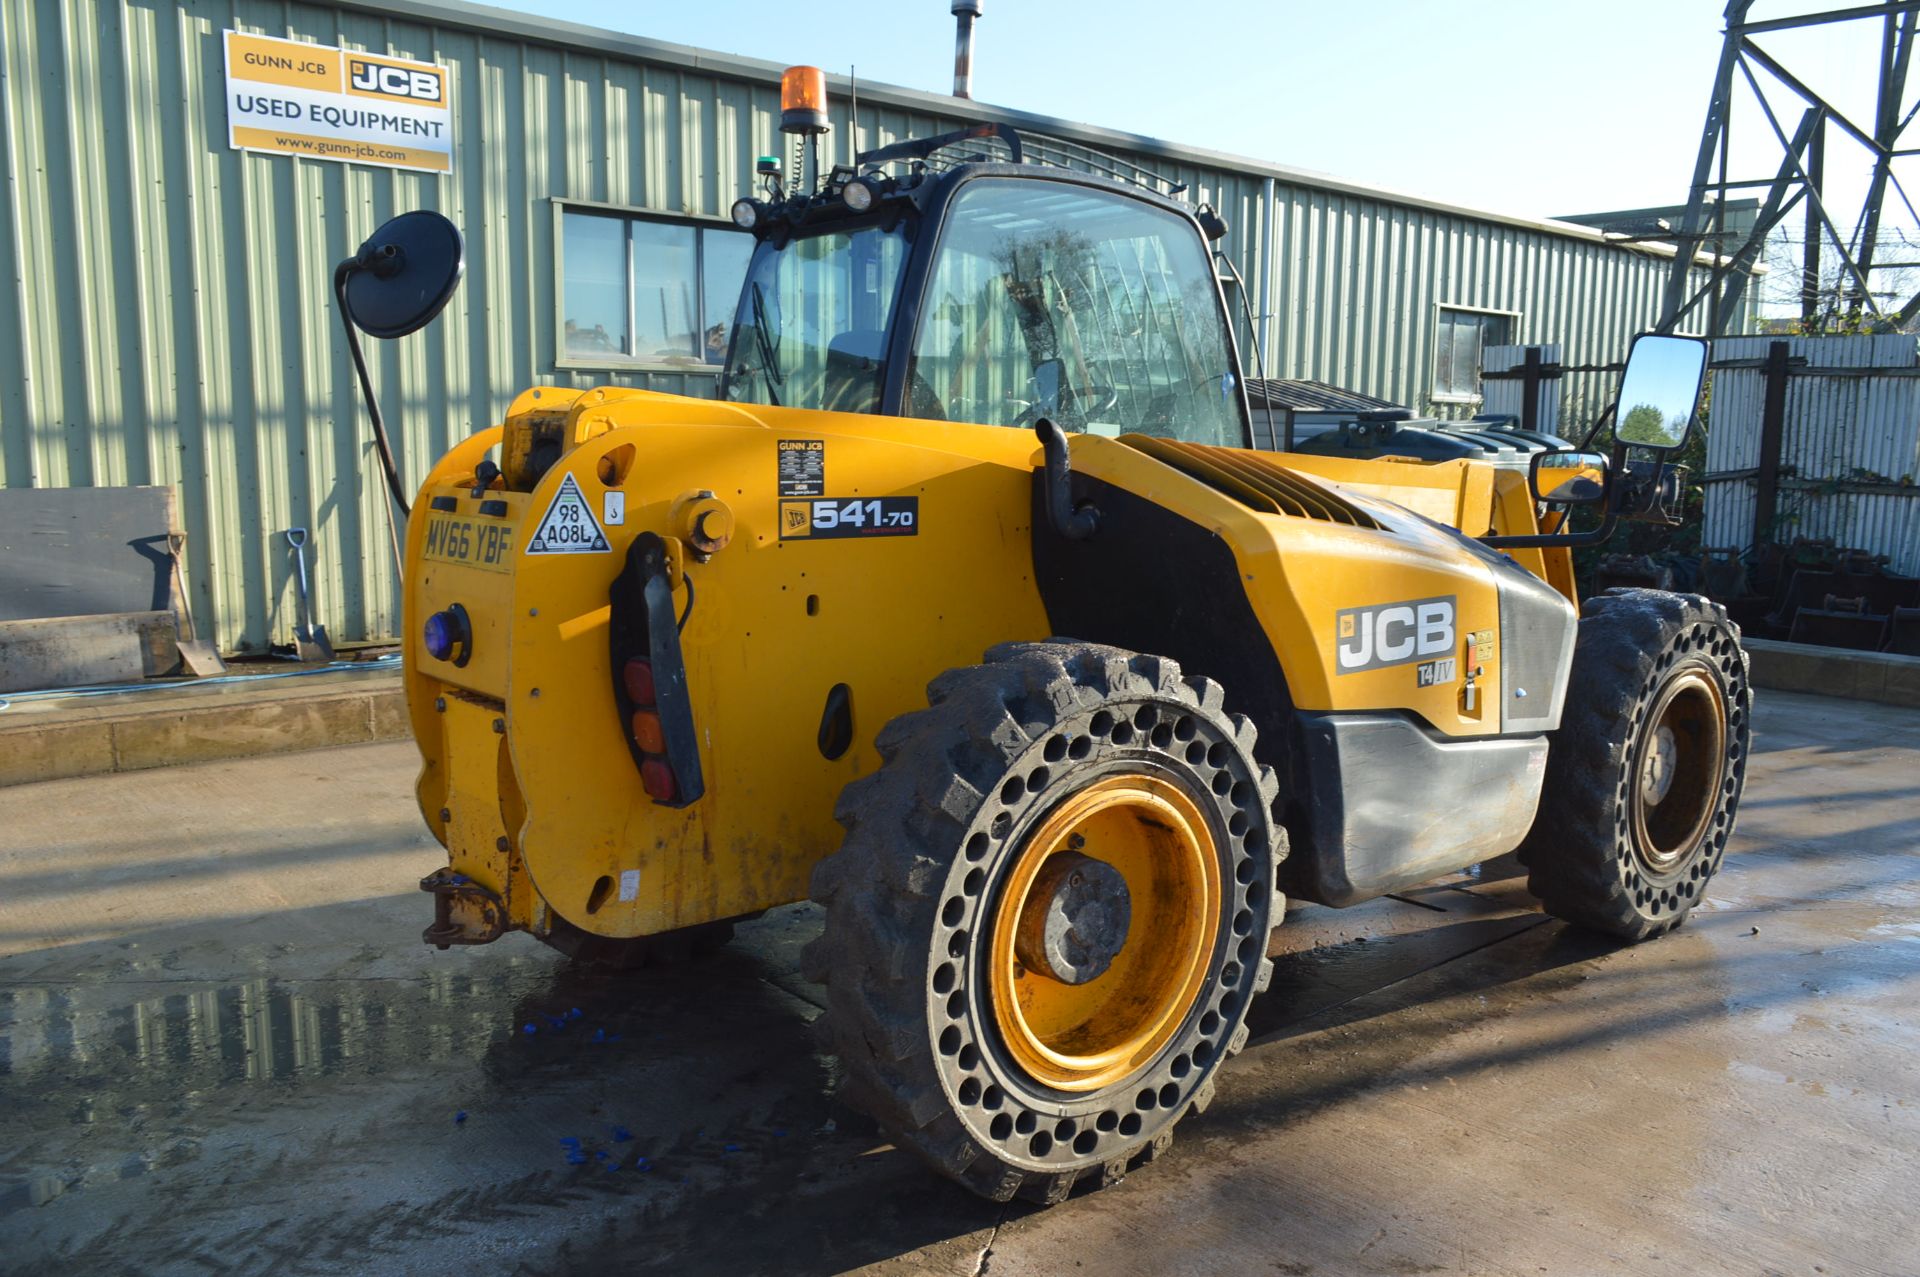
{"x":1832,"y":671}
{"x":388,"y":712}
{"x":54,"y":752}
{"x":70,"y":651}
{"x":1902,"y":685}
{"x":194,"y":723}
{"x":1829,"y":675}
{"x":1790,"y":667}
{"x":262,"y":727}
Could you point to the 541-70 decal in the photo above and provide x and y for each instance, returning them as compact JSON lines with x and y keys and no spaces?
{"x":823,"y":517}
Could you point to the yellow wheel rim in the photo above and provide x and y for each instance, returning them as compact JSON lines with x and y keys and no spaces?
{"x":1081,"y":1037}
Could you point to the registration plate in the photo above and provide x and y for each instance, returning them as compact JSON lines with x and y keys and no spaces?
{"x":476,"y":543}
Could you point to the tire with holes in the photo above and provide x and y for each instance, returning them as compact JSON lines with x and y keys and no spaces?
{"x":669,"y":948}
{"x":1048,"y":915}
{"x":1645,"y":771}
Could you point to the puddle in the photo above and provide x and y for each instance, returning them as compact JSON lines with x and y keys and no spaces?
{"x":78,"y":1042}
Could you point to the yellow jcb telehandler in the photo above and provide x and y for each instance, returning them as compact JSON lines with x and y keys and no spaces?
{"x":672,"y":662}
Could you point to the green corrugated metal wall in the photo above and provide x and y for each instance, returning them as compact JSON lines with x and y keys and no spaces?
{"x":170,"y":321}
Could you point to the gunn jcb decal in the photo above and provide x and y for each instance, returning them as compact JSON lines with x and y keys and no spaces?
{"x":1371,"y":638}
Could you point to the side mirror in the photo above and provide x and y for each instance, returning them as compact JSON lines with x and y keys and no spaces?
{"x":1049,"y":379}
{"x":1659,"y":390}
{"x":1569,"y":477}
{"x":405,"y":274}
{"x":401,"y":278}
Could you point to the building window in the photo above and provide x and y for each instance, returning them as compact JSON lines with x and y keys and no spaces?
{"x":1462,"y":336}
{"x":647,"y":290}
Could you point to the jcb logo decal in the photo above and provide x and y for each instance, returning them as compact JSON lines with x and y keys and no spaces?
{"x":394,"y":82}
{"x":1371,"y":638}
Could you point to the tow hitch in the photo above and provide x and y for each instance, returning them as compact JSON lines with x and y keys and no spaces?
{"x":464,"y":912}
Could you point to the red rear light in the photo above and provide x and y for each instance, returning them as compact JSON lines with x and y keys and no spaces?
{"x":657,"y":778}
{"x":647,"y":733}
{"x":639,"y":680}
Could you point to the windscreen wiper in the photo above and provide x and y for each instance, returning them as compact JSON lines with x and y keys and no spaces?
{"x":769,"y":353}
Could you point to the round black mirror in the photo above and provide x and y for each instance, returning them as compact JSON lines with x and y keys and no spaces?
{"x":405,"y":274}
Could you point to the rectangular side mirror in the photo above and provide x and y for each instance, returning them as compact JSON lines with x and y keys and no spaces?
{"x":1049,"y":379}
{"x":1659,"y":390}
{"x":1567,"y":476}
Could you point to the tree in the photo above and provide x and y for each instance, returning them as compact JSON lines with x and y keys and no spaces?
{"x":1779,"y":294}
{"x":1642,"y":421}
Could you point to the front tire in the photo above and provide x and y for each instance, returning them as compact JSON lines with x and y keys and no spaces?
{"x":1645,"y":772}
{"x":1048,"y":916}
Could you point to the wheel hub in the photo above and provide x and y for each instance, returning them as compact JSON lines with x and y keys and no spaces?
{"x":1656,"y":773}
{"x":1091,"y":978}
{"x":1076,"y":918}
{"x":1682,"y":765}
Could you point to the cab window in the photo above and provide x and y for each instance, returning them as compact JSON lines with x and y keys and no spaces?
{"x":1092,"y":308}
{"x":811,"y":327}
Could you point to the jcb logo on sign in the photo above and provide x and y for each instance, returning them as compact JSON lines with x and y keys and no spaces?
{"x":1371,"y":638}
{"x":394,"y":82}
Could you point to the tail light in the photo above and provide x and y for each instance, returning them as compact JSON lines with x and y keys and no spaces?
{"x":657,"y":779}
{"x":648,"y":737}
{"x":650,"y":677}
{"x":638,"y":678}
{"x":645,"y":725}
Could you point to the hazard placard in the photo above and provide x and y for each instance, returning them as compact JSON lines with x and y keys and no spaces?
{"x":568,"y":526}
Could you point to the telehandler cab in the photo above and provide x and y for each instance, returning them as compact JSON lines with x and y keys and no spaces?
{"x":672,"y":662}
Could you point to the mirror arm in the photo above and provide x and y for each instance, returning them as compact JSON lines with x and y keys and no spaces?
{"x":1539,"y":540}
{"x":1593,"y":536}
{"x":341,"y":273}
{"x":1586,"y":441}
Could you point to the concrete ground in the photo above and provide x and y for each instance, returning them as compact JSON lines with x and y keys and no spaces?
{"x":222,"y":1049}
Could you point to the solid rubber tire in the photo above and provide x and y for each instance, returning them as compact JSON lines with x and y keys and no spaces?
{"x":908,"y":901}
{"x":1579,"y":854}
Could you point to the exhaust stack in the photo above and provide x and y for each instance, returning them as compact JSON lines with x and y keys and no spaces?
{"x":964,"y":13}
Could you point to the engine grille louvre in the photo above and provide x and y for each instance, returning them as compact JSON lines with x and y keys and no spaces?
{"x":1254,"y":480}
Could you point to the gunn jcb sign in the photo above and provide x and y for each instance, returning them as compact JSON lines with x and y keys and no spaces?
{"x":291,"y":98}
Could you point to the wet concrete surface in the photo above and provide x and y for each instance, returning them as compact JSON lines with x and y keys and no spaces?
{"x":222,"y":1049}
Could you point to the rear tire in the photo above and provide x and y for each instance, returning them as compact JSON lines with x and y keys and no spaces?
{"x":953,"y":1028}
{"x":1645,"y":771}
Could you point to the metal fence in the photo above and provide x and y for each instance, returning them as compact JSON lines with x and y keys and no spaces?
{"x":1516,"y":396}
{"x":1837,"y":454}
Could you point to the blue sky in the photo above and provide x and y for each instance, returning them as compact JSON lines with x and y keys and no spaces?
{"x":1525,"y":106}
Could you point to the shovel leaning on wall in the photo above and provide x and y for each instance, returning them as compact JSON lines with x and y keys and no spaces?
{"x":309,"y":639}
{"x":197,"y":653}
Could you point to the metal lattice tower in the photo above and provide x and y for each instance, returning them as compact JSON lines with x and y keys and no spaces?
{"x":1799,"y":180}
